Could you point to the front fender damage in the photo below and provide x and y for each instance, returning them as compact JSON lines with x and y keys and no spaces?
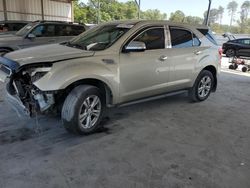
{"x":21,"y":93}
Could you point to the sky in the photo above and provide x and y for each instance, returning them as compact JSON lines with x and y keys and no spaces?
{"x":189,"y":7}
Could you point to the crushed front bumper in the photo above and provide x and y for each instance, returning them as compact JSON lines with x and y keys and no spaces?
{"x":17,"y":105}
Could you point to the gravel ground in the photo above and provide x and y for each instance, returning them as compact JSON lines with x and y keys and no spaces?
{"x":164,"y":143}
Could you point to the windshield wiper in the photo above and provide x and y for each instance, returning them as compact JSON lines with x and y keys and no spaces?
{"x":74,"y":45}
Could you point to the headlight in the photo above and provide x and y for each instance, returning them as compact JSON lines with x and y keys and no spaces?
{"x":38,"y":73}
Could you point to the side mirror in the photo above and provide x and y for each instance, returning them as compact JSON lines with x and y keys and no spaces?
{"x":135,"y":46}
{"x":31,"y":36}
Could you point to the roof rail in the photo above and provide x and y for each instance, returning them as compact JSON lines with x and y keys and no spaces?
{"x":54,"y":21}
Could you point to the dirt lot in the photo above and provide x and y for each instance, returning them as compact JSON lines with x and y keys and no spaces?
{"x":164,"y":143}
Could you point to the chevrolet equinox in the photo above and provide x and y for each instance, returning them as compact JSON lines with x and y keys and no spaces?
{"x":110,"y":65}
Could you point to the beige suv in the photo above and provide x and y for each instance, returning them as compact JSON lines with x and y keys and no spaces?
{"x":109,"y":65}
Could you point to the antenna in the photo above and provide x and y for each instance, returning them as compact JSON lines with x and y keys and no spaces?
{"x":208,"y":12}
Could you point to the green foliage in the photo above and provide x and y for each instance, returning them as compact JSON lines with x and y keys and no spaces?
{"x":243,"y":22}
{"x":213,"y":16}
{"x":195,"y":20}
{"x":116,"y":10}
{"x":177,"y":16}
{"x":153,"y":15}
{"x":112,"y":10}
{"x":232,"y":8}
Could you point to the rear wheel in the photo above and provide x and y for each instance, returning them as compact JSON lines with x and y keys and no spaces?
{"x":244,"y":69}
{"x":83,"y":110}
{"x":231,"y":67}
{"x":230,"y":53}
{"x":202,"y":86}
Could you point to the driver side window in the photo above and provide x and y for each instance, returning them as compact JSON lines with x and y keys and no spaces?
{"x":39,"y":31}
{"x":154,"y":38}
{"x":47,"y":30}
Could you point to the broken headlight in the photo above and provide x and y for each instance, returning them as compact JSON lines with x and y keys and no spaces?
{"x":38,"y":73}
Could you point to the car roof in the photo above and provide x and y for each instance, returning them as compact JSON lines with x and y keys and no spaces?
{"x":13,"y":21}
{"x":243,"y":39}
{"x":57,"y":22}
{"x":146,"y":22}
{"x":238,"y":39}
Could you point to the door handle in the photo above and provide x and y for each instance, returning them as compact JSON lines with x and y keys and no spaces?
{"x":198,"y":52}
{"x":163,"y":58}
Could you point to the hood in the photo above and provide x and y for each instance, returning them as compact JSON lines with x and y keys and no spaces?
{"x":47,"y":53}
{"x":8,"y":37}
{"x":8,"y":32}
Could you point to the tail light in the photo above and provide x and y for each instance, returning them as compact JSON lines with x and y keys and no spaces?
{"x":220,"y":53}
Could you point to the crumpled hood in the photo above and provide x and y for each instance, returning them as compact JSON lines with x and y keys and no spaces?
{"x":47,"y":53}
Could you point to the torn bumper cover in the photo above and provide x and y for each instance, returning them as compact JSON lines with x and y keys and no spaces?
{"x":17,"y":105}
{"x":23,"y":96}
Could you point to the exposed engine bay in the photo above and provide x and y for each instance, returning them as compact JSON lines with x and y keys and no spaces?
{"x":20,"y":85}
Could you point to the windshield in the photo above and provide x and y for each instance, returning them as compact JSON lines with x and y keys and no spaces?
{"x":100,"y":38}
{"x":25,"y":29}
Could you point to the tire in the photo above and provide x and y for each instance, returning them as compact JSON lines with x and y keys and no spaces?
{"x":202,"y":87}
{"x":230,"y":53}
{"x":244,"y":69}
{"x":235,"y":66}
{"x":231,"y":67}
{"x":77,"y":114}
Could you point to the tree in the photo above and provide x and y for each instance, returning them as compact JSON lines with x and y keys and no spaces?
{"x":177,"y":16}
{"x":213,"y":16}
{"x":245,"y":8}
{"x":232,"y":8}
{"x":111,"y":10}
{"x":220,"y":13}
{"x":193,"y":20}
{"x":153,"y":14}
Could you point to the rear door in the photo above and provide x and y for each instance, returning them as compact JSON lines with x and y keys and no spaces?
{"x":184,"y":53}
{"x":245,"y":47}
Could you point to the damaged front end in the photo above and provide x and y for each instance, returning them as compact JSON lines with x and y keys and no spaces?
{"x":22,"y":94}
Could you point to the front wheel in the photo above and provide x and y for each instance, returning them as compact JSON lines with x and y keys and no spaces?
{"x":83,"y":110}
{"x":202,"y":86}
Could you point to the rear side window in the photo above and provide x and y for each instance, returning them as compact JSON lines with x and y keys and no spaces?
{"x":181,"y":38}
{"x":208,"y":34}
{"x":69,"y":30}
{"x":247,"y":42}
{"x":77,"y":30}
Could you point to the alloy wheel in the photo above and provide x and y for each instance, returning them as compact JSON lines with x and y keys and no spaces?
{"x":204,"y":87}
{"x":90,"y":112}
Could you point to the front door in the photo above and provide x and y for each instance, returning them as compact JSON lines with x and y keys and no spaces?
{"x":144,"y":73}
{"x":44,"y":34}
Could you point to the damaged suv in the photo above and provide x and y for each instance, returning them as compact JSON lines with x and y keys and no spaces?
{"x":109,"y":65}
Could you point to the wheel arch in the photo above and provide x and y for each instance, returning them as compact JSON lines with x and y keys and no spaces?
{"x":213,"y":70}
{"x":104,"y":88}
